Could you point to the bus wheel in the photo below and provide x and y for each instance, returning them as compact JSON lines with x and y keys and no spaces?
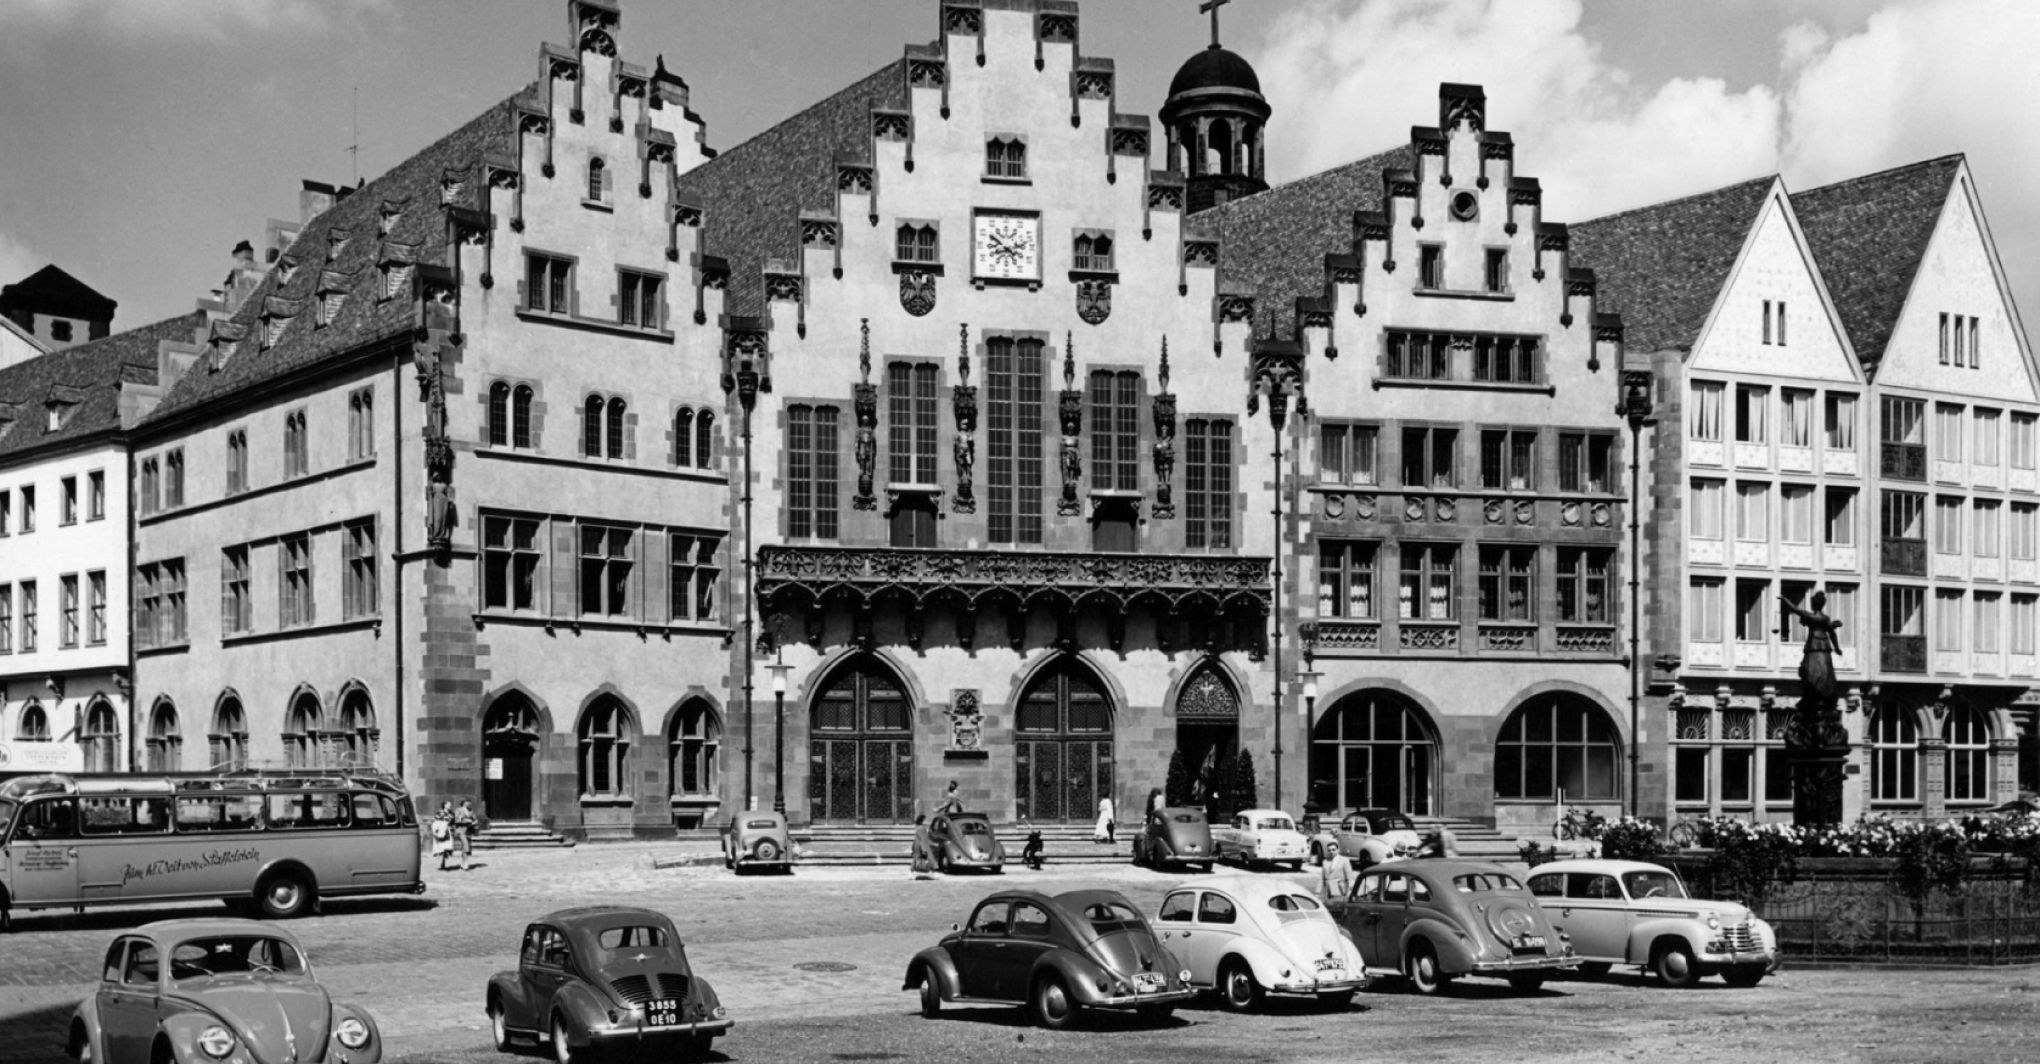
{"x":285,"y":895}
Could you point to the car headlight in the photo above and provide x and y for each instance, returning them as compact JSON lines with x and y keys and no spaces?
{"x":217,"y":1041}
{"x":1713,"y":922}
{"x":352,"y":1033}
{"x":1183,"y":976}
{"x":720,"y":1012}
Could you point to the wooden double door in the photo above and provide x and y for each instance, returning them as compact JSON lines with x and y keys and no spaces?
{"x":1063,"y":746}
{"x":861,"y":749}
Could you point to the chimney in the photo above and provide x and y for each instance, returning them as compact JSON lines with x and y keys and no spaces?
{"x":244,"y":255}
{"x":313,"y":200}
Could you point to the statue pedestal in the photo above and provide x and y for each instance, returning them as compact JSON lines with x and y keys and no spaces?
{"x":1817,"y":748}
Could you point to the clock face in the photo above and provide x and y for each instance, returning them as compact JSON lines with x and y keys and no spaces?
{"x":1008,"y":246}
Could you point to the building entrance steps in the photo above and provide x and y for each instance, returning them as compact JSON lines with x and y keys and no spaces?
{"x":518,"y":835}
{"x":1475,"y":840}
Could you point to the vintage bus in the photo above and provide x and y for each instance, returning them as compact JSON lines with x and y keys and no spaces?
{"x":271,"y":841}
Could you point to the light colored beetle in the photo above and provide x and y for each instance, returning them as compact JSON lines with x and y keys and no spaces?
{"x":1260,"y":836}
{"x":1244,"y":937}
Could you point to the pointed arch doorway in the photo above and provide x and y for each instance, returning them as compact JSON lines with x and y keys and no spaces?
{"x":1207,"y":733}
{"x":510,"y":737}
{"x":1063,"y":743}
{"x":861,"y":748}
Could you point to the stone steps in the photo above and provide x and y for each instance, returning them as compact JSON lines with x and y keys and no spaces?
{"x":518,"y":835}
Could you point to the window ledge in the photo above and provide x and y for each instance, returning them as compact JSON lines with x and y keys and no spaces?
{"x":300,"y":480}
{"x":911,"y":266}
{"x":699,"y":800}
{"x":995,"y":179}
{"x":1466,"y":293}
{"x":162,"y":648}
{"x":575,"y":321}
{"x":1468,"y":386}
{"x":577,"y":625}
{"x":615,"y":800}
{"x":1108,"y":275}
{"x":598,"y":205}
{"x":301,"y":631}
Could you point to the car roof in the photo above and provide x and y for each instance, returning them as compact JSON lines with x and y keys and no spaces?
{"x":1248,"y":888}
{"x":603,"y":916}
{"x":1437,"y":868}
{"x":1172,"y":810}
{"x":964,"y":816}
{"x":204,"y":927}
{"x":1597,"y":864}
{"x":1263,"y":812}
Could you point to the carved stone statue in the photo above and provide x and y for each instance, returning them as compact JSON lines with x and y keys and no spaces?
{"x":1817,"y":663}
{"x":1816,"y":741}
{"x":440,"y":513}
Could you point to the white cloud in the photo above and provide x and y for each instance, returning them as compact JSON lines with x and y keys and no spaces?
{"x":148,"y":20}
{"x":17,"y":260}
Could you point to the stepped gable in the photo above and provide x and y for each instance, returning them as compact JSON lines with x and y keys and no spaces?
{"x":355,"y":224}
{"x":752,"y":194}
{"x":91,"y":375}
{"x":52,"y":291}
{"x":1868,"y":235}
{"x":1273,"y":244}
{"x":1663,"y":266}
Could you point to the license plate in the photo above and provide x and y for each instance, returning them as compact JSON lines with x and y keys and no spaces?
{"x":1328,"y":964}
{"x":1147,"y":983}
{"x":1528,"y":942}
{"x":663,"y":1012}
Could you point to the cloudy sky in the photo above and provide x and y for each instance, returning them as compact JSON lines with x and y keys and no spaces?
{"x":143,"y":138}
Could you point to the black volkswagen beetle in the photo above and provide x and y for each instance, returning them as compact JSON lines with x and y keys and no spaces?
{"x":965,"y":840}
{"x":1056,"y":956}
{"x":604,"y":976}
{"x":1174,"y":835}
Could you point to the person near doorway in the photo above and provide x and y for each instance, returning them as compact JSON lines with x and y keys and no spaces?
{"x":1154,"y":803}
{"x":465,"y":824}
{"x":442,"y":833}
{"x":951,"y":802}
{"x":923,"y":861}
{"x":1031,"y":854}
{"x":1105,"y":830}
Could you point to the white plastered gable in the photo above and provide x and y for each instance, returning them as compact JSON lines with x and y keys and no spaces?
{"x":1960,"y":275}
{"x":1776,"y":266}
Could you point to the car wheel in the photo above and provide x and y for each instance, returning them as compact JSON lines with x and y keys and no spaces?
{"x":1596,"y":968}
{"x":1237,"y":989}
{"x":285,"y":895}
{"x":1208,"y":866}
{"x":498,"y":1027}
{"x":942,"y":863}
{"x":931,"y":995}
{"x":82,"y":1048}
{"x":1296,"y":866}
{"x":1674,"y":965}
{"x":766,"y":850}
{"x":1744,"y":976}
{"x":1426,"y":975}
{"x":1337,"y":999}
{"x":563,"y":1049}
{"x":1052,"y":1005}
{"x":1527,"y":982}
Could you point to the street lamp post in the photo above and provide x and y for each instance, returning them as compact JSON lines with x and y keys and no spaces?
{"x":747,"y":396}
{"x":1278,"y":417}
{"x":779,"y":670}
{"x":1636,"y":407}
{"x":1310,"y":677}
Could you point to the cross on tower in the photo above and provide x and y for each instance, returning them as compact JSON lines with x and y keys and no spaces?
{"x":1212,"y":7}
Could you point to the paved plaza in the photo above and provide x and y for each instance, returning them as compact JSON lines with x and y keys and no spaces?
{"x":810,"y":966}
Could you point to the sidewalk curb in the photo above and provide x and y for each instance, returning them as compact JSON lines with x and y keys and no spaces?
{"x":697,"y":860}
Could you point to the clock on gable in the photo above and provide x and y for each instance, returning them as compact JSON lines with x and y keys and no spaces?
{"x":1006,"y":246}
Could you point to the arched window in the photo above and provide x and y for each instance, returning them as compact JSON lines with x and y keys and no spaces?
{"x":499,"y":414}
{"x":616,"y":413}
{"x":101,"y":738}
{"x":704,"y":439}
{"x":693,"y":745}
{"x":358,"y":734}
{"x":1558,"y":743}
{"x":1894,"y":757}
{"x":1063,"y":745}
{"x":605,"y":734}
{"x":166,"y":743}
{"x":520,"y":417}
{"x":303,"y":733}
{"x":1219,"y":144}
{"x":591,"y":427}
{"x":229,"y":736}
{"x":683,"y":437}
{"x":35,"y":724}
{"x":1373,"y":748}
{"x":1967,"y":732}
{"x":598,"y":181}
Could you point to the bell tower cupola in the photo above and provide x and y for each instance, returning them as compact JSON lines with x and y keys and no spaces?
{"x":1215,"y":116}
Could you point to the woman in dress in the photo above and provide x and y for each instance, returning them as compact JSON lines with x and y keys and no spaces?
{"x":1104,"y":832}
{"x":442,"y":833}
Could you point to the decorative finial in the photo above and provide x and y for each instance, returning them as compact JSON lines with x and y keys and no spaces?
{"x":1069,"y":360}
{"x":1165,"y":363}
{"x":1211,"y":7}
{"x":864,"y":349}
{"x":963,"y":353}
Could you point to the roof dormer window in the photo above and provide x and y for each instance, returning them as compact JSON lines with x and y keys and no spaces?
{"x":396,"y":279}
{"x":335,"y":241}
{"x":56,"y":412}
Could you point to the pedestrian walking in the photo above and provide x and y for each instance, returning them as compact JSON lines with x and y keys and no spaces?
{"x":924,"y":862}
{"x":951,"y":803}
{"x":1155,"y":803}
{"x":1335,"y":876}
{"x":1104,"y":831}
{"x":442,"y":833}
{"x":465,"y":824}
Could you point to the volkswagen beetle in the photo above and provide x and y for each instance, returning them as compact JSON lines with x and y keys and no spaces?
{"x":1434,"y":920}
{"x":217,"y":991}
{"x":1261,"y":836}
{"x":1632,"y":912}
{"x":965,"y":840}
{"x":1245,"y":937}
{"x":1367,"y":836}
{"x":757,"y":841}
{"x":1174,"y":836}
{"x":601,"y":977}
{"x":1056,"y":956}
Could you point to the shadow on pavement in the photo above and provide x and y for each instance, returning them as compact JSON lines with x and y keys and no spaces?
{"x":37,"y":1036}
{"x":122,"y":917}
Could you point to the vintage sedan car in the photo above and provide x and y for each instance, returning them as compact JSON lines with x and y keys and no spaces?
{"x":1245,"y":937}
{"x":1436,"y":919}
{"x":1631,"y":912}
{"x":1055,"y":956}
{"x":757,"y":841}
{"x":965,"y":840}
{"x":1367,"y":836}
{"x":1174,"y":836}
{"x":604,"y":977}
{"x":1260,"y":836}
{"x":206,"y":991}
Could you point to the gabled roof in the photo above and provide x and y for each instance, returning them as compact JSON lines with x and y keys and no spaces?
{"x":90,"y":375}
{"x":52,"y":291}
{"x":1273,"y":244}
{"x":1662,"y":267}
{"x":419,"y":234}
{"x":752,"y":194}
{"x":1868,"y":235}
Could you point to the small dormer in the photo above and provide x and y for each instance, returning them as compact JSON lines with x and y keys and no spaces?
{"x":9,"y":414}
{"x":59,"y":404}
{"x":276,"y":315}
{"x":388,"y":213}
{"x":332,"y":295}
{"x":223,"y":343}
{"x":396,"y":263}
{"x":336,"y":242}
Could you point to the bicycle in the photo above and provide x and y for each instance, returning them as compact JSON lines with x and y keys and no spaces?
{"x":1579,"y":824}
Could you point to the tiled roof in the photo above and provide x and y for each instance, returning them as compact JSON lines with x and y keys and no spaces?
{"x":1869,"y":234}
{"x":752,"y":194}
{"x":418,"y":234}
{"x":92,"y":375}
{"x":52,"y":291}
{"x":1662,"y":267}
{"x":1273,"y":244}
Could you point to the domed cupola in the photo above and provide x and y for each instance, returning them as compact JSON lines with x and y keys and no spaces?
{"x":1215,"y":115}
